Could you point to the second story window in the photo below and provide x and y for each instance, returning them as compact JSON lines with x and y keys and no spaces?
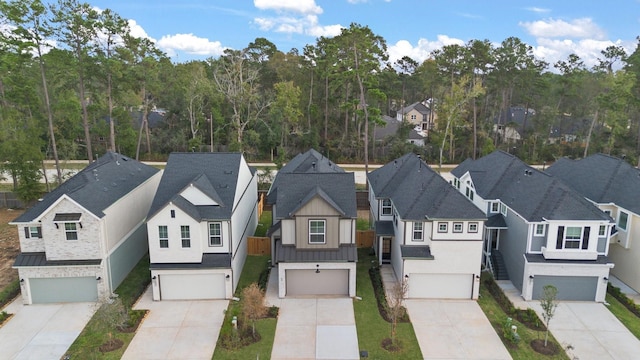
{"x":457,"y":227}
{"x":163,"y":235}
{"x":573,"y":237}
{"x":386,"y":207}
{"x":71,"y":231}
{"x":33,"y":232}
{"x":602,"y":231}
{"x":442,"y":227}
{"x":317,"y":231}
{"x":185,"y":235}
{"x":215,"y":234}
{"x":495,"y":207}
{"x":539,"y":229}
{"x":473,"y":227}
{"x":418,"y":231}
{"x":623,"y":217}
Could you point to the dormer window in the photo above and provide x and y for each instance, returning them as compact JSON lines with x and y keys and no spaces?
{"x":317,"y":231}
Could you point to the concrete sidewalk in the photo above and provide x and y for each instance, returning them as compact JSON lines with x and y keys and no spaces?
{"x":185,"y":329}
{"x":42,"y":331}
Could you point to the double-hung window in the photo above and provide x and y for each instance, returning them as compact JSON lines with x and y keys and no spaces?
{"x":418,"y":231}
{"x":573,"y":237}
{"x":540,"y":229}
{"x":71,"y":230}
{"x":33,"y":232}
{"x":163,"y":235}
{"x":215,"y":234}
{"x":317,"y":231}
{"x":495,"y":207}
{"x":185,"y":235}
{"x":386,"y":207}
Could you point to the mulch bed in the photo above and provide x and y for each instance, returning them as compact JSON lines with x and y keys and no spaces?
{"x":388,"y":345}
{"x":111,"y":345}
{"x":538,"y":346}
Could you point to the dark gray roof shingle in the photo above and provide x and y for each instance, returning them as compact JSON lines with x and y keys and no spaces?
{"x":215,"y":174}
{"x":418,"y":192}
{"x":602,"y":179}
{"x":531,"y":193}
{"x":97,"y":186}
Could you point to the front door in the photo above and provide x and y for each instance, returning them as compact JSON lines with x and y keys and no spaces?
{"x":386,"y":250}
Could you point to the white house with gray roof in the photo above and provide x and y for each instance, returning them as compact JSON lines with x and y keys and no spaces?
{"x":198,"y":224}
{"x":314,"y":227}
{"x":539,"y":231}
{"x":428,"y":232}
{"x":82,"y":239}
{"x":613,"y":185}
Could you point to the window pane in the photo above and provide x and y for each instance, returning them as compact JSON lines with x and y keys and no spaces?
{"x":573,"y":233}
{"x":622,"y":220}
{"x":162,"y":231}
{"x":184,"y":231}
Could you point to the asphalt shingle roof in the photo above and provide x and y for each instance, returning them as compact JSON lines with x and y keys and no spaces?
{"x":602,"y":179}
{"x":215,"y":174}
{"x":531,"y":193}
{"x":418,"y":192}
{"x":97,"y":186}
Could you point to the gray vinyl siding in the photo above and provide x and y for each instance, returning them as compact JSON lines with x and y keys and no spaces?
{"x":537,"y":242}
{"x":513,"y":246}
{"x":127,"y":255}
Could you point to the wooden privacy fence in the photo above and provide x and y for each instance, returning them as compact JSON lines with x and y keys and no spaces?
{"x":364,"y":238}
{"x":257,"y":245}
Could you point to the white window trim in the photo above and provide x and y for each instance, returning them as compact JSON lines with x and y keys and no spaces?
{"x":446,"y":227}
{"x":187,"y":238}
{"x":537,"y":226}
{"x":384,"y":207}
{"x":160,"y":238}
{"x":503,"y":209}
{"x":67,"y":232}
{"x":626,"y":223}
{"x":565,"y":239}
{"x":602,"y":230}
{"x":497,"y":210}
{"x":323,"y":233}
{"x":37,"y":229}
{"x":415,"y":231}
{"x":211,"y":244}
{"x":458,"y":224}
{"x":472,"y":224}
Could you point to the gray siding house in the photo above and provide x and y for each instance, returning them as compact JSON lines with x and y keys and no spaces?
{"x":82,"y":239}
{"x":313,"y":230}
{"x":539,"y":231}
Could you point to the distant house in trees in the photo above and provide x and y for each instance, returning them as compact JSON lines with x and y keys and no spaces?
{"x":419,"y":114}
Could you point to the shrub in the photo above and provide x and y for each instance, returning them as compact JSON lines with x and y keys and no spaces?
{"x":624,"y":299}
{"x":381,"y":297}
{"x":528,"y":317}
{"x":263,"y":279}
{"x":509,"y":333}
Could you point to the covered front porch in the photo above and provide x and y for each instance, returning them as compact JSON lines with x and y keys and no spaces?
{"x":491,"y":256}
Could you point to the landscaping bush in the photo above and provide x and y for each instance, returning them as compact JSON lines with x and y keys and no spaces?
{"x":624,"y":300}
{"x":527,"y":317}
{"x":4,"y":316}
{"x":381,"y":297}
{"x":263,"y":279}
{"x":9,"y":292}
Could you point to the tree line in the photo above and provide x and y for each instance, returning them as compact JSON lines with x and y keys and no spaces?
{"x":74,"y":83}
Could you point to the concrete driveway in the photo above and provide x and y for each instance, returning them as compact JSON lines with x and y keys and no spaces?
{"x":454,"y":329}
{"x":590,"y":331}
{"x":316,"y":328}
{"x":177,"y":329}
{"x":43,"y":331}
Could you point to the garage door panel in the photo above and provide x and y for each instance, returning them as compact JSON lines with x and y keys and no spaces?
{"x":576,"y":288}
{"x":440,"y":286}
{"x":67,"y":289}
{"x":192,"y":286}
{"x":302,"y":282}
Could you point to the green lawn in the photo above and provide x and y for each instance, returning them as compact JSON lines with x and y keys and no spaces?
{"x":626,"y":317}
{"x":254,"y":265}
{"x":497,"y":317}
{"x":264,"y":224}
{"x":86,"y":346}
{"x":372,"y":328}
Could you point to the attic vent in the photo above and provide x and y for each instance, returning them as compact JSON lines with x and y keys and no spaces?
{"x":313,"y":164}
{"x":528,"y":172}
{"x":125,"y":159}
{"x":117,"y":162}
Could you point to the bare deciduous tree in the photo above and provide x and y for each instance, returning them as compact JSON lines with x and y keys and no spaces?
{"x":396,"y":310}
{"x":253,"y":307}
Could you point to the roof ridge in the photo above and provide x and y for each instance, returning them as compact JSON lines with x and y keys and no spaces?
{"x":612,"y":176}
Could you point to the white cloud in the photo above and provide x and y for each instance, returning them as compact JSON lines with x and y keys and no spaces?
{"x":296,"y":6}
{"x":422,"y":51}
{"x":307,"y":25}
{"x":137,"y":31}
{"x":358,"y":1}
{"x":189,"y":44}
{"x":582,"y":28}
{"x":538,"y":10}
{"x":589,"y":50}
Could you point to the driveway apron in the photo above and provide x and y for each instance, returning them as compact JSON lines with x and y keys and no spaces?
{"x":316,"y":328}
{"x":588,"y":330}
{"x":177,"y":329}
{"x":454,"y":329}
{"x":42,"y":331}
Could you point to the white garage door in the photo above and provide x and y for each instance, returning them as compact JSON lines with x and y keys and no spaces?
{"x":192,"y":286}
{"x":310,"y":282}
{"x":440,"y":286}
{"x":71,"y":289}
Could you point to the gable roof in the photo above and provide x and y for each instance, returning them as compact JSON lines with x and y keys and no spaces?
{"x":215,"y":174}
{"x":418,"y":192}
{"x":531,"y":193}
{"x":417,"y":106}
{"x":97,"y":186}
{"x":602,"y":179}
{"x":391,"y":128}
{"x":297,"y":189}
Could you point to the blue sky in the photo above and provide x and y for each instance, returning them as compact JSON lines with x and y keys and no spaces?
{"x":198,"y":29}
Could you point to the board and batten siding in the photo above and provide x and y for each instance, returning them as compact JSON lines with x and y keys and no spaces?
{"x":317,"y":209}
